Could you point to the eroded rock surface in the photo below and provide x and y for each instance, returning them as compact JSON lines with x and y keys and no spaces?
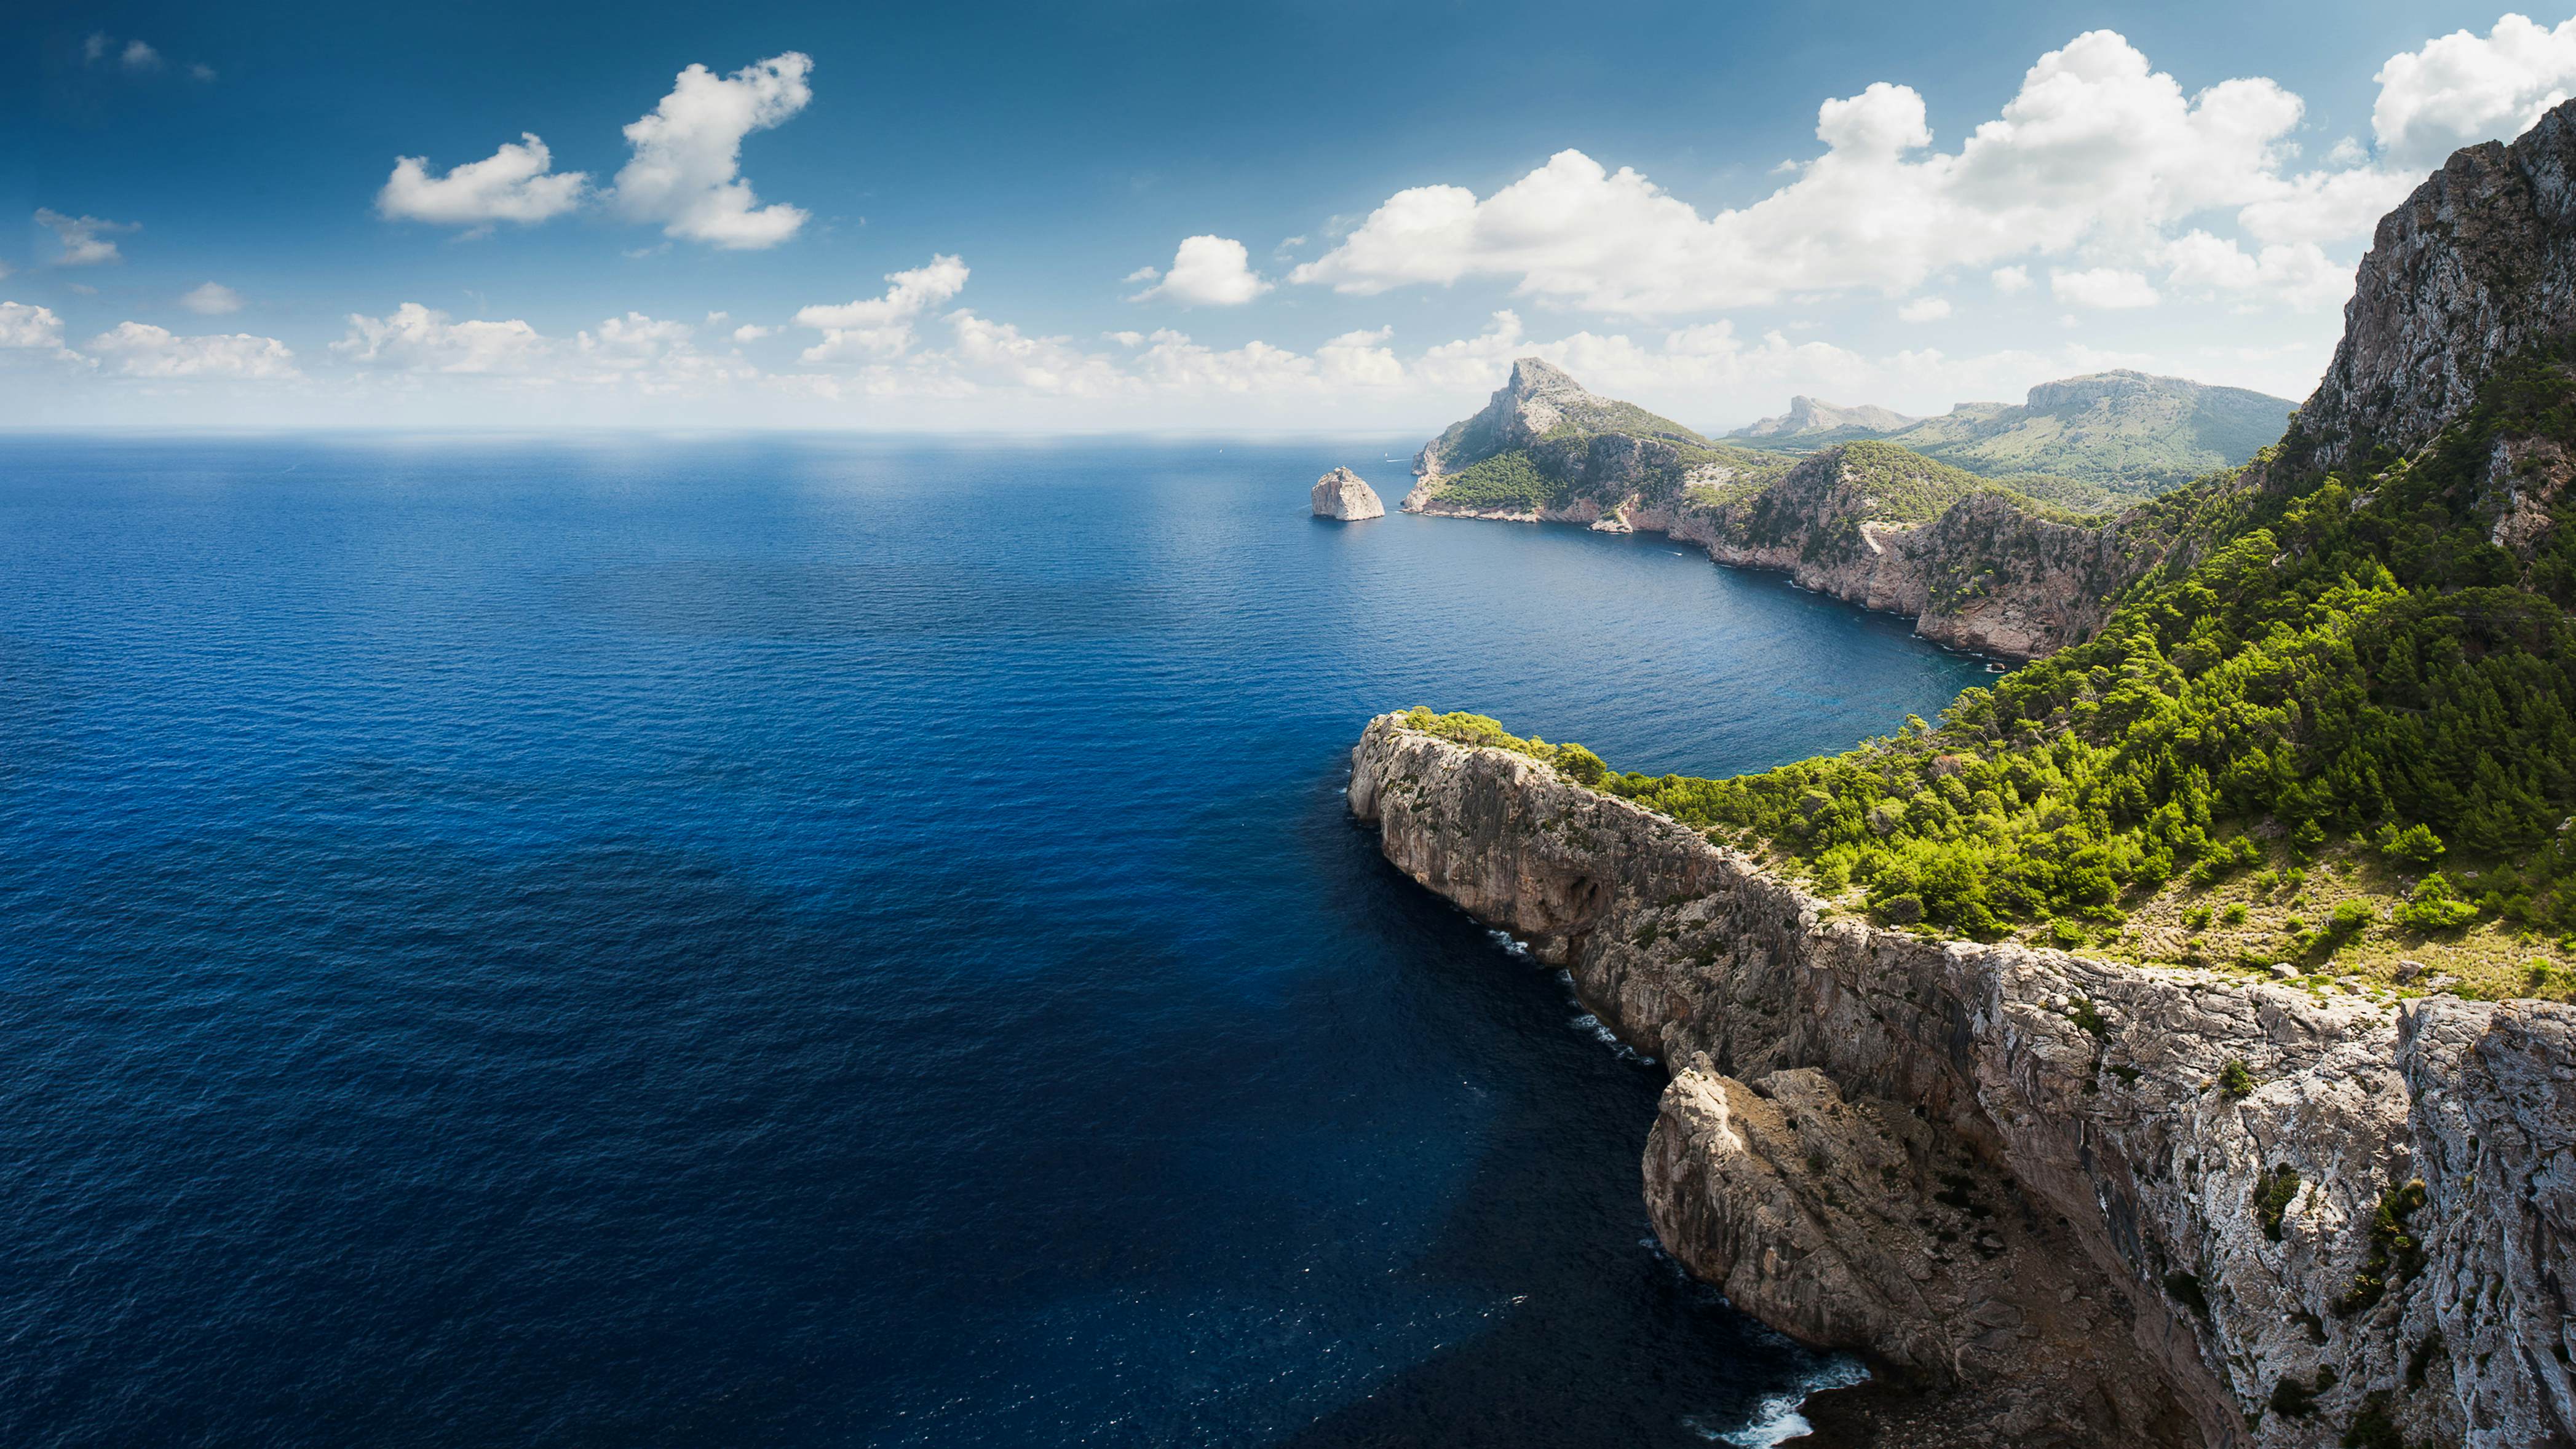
{"x":2136,"y":1254}
{"x":1345,"y":495}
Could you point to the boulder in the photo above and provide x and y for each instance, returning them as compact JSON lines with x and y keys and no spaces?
{"x":1345,"y":495}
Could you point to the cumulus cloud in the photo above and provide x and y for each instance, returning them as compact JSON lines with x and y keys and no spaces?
{"x":198,"y":70}
{"x":2464,"y":88}
{"x":752,"y":332}
{"x":2097,"y":157}
{"x":516,"y":183}
{"x":139,"y":349}
{"x":882,"y":326}
{"x":84,"y":238}
{"x":212,"y":299}
{"x":2009,"y":280}
{"x":686,"y":168}
{"x":1924,"y":309}
{"x":1207,"y":271}
{"x":139,"y":57}
{"x":25,"y":325}
{"x":2108,"y":288}
{"x":2297,"y":275}
{"x":421,"y":339}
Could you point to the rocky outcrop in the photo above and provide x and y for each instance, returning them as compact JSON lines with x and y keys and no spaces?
{"x":2479,"y":263}
{"x":2104,"y":1204}
{"x":1975,"y":566}
{"x":1343,"y":494}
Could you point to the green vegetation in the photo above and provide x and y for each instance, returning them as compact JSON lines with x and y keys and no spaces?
{"x":1505,"y":480}
{"x":2346,"y":660}
{"x":2272,"y":1199}
{"x":2235,"y":1080}
{"x":2086,"y":443}
{"x":2395,"y":1255}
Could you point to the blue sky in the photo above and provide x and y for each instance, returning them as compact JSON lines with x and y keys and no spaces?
{"x":1756,"y":202}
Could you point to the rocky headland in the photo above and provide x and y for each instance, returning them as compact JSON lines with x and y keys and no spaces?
{"x":1345,"y":495}
{"x":2072,"y":1200}
{"x":2078,"y":1202}
{"x":1976,"y":564}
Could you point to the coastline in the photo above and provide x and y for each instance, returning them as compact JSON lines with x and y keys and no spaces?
{"x":1853,"y":1109}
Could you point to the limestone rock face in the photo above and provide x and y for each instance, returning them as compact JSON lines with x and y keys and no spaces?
{"x":1343,"y":494}
{"x":2478,"y":263}
{"x":2013,"y":1172}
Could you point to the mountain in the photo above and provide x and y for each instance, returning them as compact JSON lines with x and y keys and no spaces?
{"x":1977,"y":563}
{"x":2127,"y":434}
{"x":2176,"y":1043}
{"x":1810,"y":421}
{"x":1543,"y":447}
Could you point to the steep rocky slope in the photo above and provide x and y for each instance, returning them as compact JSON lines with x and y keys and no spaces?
{"x":2478,"y":264}
{"x":2088,"y":1201}
{"x":1977,"y":565}
{"x":2127,"y":434}
{"x":2082,"y":1202}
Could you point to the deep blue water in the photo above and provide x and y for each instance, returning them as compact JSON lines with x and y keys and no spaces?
{"x":775,"y":942}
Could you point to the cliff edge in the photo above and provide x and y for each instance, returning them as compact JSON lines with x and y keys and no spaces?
{"x":2079,"y":1202}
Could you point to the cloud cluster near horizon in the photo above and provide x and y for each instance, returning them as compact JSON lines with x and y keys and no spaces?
{"x":2100,"y":187}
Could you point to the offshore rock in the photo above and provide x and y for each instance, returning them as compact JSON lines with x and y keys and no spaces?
{"x":2013,"y":1175}
{"x":1343,"y":494}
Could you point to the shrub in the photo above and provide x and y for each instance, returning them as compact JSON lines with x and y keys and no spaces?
{"x":2273,"y":1194}
{"x":2416,"y":842}
{"x":2234,"y":915}
{"x":2236,"y":1080}
{"x":2394,"y":1257}
{"x":2434,"y":906}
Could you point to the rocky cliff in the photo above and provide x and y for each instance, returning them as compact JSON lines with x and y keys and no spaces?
{"x":1345,"y":495}
{"x":1977,"y":565}
{"x":2479,"y":263}
{"x":2091,"y":1203}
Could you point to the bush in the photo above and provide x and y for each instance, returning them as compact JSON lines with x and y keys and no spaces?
{"x":2434,"y":906}
{"x":2416,"y":842}
{"x":2236,"y":1080}
{"x":2234,"y":915}
{"x":2350,"y":916}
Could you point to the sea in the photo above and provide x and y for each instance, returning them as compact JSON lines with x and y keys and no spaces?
{"x":711,"y":940}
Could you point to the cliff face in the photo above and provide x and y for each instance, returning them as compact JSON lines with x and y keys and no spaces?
{"x":2478,"y":263}
{"x":2121,"y":1206}
{"x":1874,"y":524}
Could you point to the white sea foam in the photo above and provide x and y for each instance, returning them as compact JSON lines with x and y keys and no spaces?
{"x":1777,"y":1420}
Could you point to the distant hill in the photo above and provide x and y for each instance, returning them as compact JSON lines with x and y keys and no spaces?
{"x":1814,"y":423}
{"x":2084,"y":442}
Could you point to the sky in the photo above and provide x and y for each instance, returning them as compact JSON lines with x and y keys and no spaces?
{"x":1258,"y":217}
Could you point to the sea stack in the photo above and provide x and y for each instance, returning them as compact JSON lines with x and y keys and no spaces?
{"x":1345,"y":495}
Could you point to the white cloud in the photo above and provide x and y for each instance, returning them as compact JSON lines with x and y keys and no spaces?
{"x":882,"y":326}
{"x":415,"y":338}
{"x":1924,"y":309}
{"x":25,"y":325}
{"x":515,"y":183}
{"x":139,"y":57}
{"x":687,"y":161}
{"x":2108,"y":288}
{"x":1207,"y":271}
{"x":2297,"y":275}
{"x":752,"y":332}
{"x":141,"y":350}
{"x":84,"y":238}
{"x":213,"y":299}
{"x":2009,"y":280}
{"x":2463,"y":88}
{"x":198,"y":70}
{"x":94,"y":49}
{"x":2097,"y":158}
